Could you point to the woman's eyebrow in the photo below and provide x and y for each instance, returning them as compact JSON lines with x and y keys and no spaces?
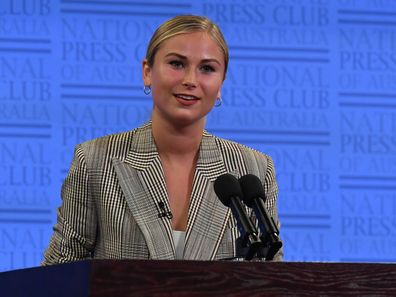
{"x":180,"y":56}
{"x":177,"y":55}
{"x":211,"y":60}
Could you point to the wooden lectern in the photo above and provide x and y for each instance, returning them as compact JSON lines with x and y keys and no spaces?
{"x":119,"y":278}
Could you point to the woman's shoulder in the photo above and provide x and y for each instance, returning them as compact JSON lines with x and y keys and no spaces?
{"x":115,"y":140}
{"x":244,"y":158}
{"x":231,"y":146}
{"x":120,"y":138}
{"x":112,"y":145}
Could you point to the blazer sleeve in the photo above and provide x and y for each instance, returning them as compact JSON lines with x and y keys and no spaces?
{"x":271,"y":188}
{"x":74,"y":233}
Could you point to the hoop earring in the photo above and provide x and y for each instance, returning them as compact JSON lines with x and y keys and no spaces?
{"x":147,"y":90}
{"x":219,"y":101}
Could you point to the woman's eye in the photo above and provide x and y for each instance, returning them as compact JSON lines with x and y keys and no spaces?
{"x":207,"y":68}
{"x":176,"y":64}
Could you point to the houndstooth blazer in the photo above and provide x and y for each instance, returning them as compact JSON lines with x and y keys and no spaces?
{"x":111,"y":201}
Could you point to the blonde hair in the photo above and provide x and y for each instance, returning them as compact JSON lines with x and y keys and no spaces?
{"x":186,"y":24}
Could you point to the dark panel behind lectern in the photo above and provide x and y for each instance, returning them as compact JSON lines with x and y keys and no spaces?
{"x":65,"y":280}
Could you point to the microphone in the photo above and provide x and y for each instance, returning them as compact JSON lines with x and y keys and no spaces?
{"x":228,"y":190}
{"x":254,"y":197}
{"x":163,"y":211}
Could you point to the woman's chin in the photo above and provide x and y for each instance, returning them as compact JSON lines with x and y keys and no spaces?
{"x":185,"y":119}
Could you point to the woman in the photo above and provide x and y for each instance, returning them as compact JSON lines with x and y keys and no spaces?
{"x":148,"y":193}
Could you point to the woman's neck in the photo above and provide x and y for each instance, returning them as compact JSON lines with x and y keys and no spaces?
{"x":176,"y":141}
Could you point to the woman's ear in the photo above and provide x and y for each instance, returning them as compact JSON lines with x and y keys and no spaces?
{"x":146,"y":72}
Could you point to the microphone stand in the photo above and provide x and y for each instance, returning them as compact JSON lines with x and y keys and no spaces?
{"x":271,"y":242}
{"x":247,"y":246}
{"x":269,"y":248}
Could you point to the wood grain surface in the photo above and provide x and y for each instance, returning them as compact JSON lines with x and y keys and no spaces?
{"x":216,"y":278}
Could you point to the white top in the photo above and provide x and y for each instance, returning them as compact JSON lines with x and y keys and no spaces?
{"x":178,"y":239}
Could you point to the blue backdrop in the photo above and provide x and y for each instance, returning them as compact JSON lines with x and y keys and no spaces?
{"x":311,"y":83}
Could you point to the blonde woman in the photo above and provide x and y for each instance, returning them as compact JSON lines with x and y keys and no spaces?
{"x":148,"y":193}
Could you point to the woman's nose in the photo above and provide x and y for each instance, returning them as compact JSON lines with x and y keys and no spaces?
{"x":190,"y":79}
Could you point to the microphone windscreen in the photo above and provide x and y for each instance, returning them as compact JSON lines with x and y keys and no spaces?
{"x":227,"y":186}
{"x":252,"y":189}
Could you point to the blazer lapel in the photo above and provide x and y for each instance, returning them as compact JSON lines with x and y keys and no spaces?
{"x":142,"y":181}
{"x":208,"y":217}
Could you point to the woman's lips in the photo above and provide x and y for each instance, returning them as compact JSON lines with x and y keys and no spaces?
{"x":186,"y":99}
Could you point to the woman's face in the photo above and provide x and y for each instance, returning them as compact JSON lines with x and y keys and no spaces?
{"x":185,"y":78}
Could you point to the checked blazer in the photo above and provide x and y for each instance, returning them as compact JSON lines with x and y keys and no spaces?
{"x":111,"y":196}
